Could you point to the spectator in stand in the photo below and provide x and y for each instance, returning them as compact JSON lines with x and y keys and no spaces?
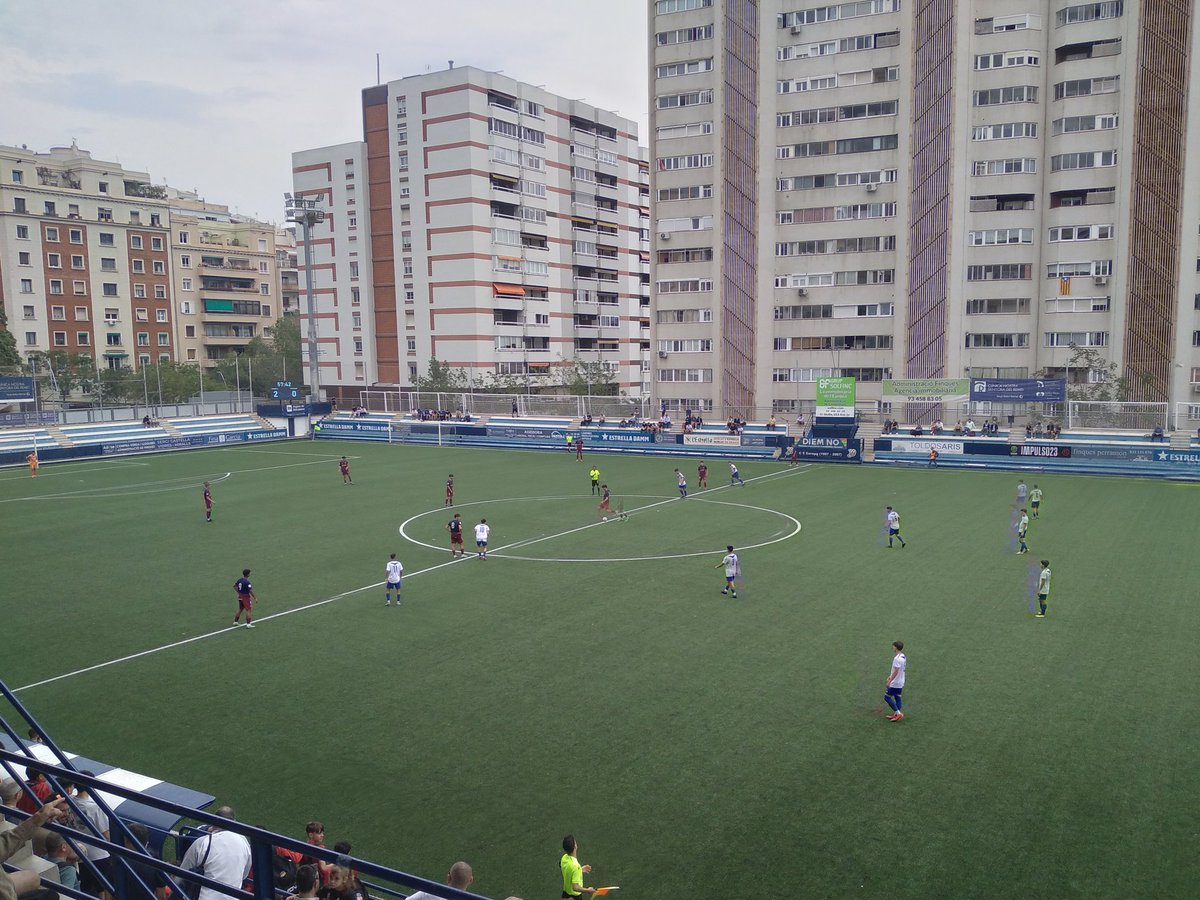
{"x":340,"y":885}
{"x":1038,"y":429}
{"x":1028,"y":430}
{"x":10,"y":793}
{"x":1157,"y":434}
{"x":460,"y":876}
{"x":937,"y":428}
{"x":314,"y":833}
{"x":220,"y":855}
{"x":23,"y":882}
{"x":60,"y":854}
{"x":306,"y":883}
{"x":958,"y":428}
{"x":917,"y":430}
{"x":34,"y":737}
{"x":98,"y":856}
{"x":800,"y":422}
{"x":37,"y":791}
{"x":155,"y":879}
{"x":514,"y":407}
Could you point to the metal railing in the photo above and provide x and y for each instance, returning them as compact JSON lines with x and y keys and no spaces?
{"x":125,"y":882}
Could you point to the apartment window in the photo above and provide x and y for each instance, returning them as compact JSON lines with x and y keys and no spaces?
{"x":159,"y":267}
{"x":355,"y":297}
{"x":1087,"y":160}
{"x":107,"y":239}
{"x":160,"y":315}
{"x":1072,"y":124}
{"x":26,"y":285}
{"x":109,"y":263}
{"x":691,"y":161}
{"x":22,"y":232}
{"x":803,"y":311}
{"x":1004,"y":166}
{"x":837,"y":12}
{"x":143,"y":339}
{"x":186,"y":307}
{"x":1085,"y":87}
{"x":684,"y":67}
{"x":992,"y":340}
{"x":684,"y":35}
{"x":28,"y":312}
{"x":139,"y":315}
{"x":110,"y":289}
{"x":81,"y":314}
{"x":1004,"y":131}
{"x":160,"y":292}
{"x":185,"y":284}
{"x":50,"y":209}
{"x":684,"y":286}
{"x":156,"y":243}
{"x":58,"y":313}
{"x":408,"y":268}
{"x":56,"y":286}
{"x":75,"y":235}
{"x":104,"y":187}
{"x":31,"y":339}
{"x":1081,"y":233}
{"x":1100,"y":268}
{"x":79,"y":287}
{"x":189,"y":331}
{"x":183,"y":237}
{"x":998,"y":306}
{"x":1078,"y":304}
{"x":135,"y":241}
{"x":60,"y":339}
{"x":996,"y":236}
{"x":54,"y":260}
{"x":264,"y":289}
{"x":1076,"y":338}
{"x":83,"y":338}
{"x":353,"y":269}
{"x":662,"y":7}
{"x":51,"y":235}
{"x":139,"y":266}
{"x":1000,"y":272}
{"x":1006,"y":60}
{"x":104,"y":214}
{"x":1088,"y":12}
{"x":688,"y":98}
{"x":702,"y":376}
{"x":77,"y":261}
{"x":139,"y":291}
{"x":164,"y":339}
{"x":694,"y":223}
{"x":1001,"y":24}
{"x":185,"y":261}
{"x":691,"y":192}
{"x":1021,"y":93}
{"x":18,"y":177}
{"x":24,"y":258}
{"x":691,"y":129}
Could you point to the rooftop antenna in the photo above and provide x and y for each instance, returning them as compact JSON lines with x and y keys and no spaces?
{"x":451,"y":63}
{"x":378,"y":79}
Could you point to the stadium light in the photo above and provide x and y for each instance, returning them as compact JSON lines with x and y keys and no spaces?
{"x":305,"y":213}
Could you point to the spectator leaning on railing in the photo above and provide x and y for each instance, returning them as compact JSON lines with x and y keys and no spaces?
{"x":220,"y":855}
{"x":12,"y":841}
{"x":460,"y":876}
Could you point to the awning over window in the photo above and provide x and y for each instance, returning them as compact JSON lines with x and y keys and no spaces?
{"x":508,"y":290}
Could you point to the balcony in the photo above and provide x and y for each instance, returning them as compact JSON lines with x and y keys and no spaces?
{"x":232,"y":285}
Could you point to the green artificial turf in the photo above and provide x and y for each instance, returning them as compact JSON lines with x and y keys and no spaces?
{"x":696,"y":746}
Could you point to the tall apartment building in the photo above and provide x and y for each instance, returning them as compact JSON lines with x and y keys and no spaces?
{"x":84,"y":262}
{"x":500,"y":228}
{"x":921,"y":188}
{"x":226,"y":278}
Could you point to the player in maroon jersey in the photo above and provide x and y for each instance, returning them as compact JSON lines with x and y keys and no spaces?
{"x":344,"y":465}
{"x":605,"y":506}
{"x":702,"y":475}
{"x":207,"y":502}
{"x":579,"y":447}
{"x":449,"y":491}
{"x":246,"y":598}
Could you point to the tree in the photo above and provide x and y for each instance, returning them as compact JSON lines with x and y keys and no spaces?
{"x":174,"y":382}
{"x":10,"y":356}
{"x":593,"y":379}
{"x":1101,"y":381}
{"x":63,"y":372}
{"x":442,"y":378}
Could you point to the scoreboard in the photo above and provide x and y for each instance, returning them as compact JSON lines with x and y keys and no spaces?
{"x":284,"y":390}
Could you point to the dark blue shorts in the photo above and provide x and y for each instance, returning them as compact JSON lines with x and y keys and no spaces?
{"x":893,"y":531}
{"x":894,"y":691}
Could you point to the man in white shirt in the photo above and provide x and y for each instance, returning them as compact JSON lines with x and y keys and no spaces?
{"x":893,"y":527}
{"x":460,"y":877}
{"x":98,"y":855}
{"x":220,"y":855}
{"x":730,"y":562}
{"x":1022,"y":531}
{"x":394,"y":572}
{"x":482,"y":530}
{"x":895,"y":682}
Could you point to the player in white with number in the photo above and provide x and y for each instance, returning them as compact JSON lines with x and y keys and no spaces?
{"x":895,"y":682}
{"x":732,"y":570}
{"x":394,"y":573}
{"x":482,"y":530}
{"x":893,"y":527}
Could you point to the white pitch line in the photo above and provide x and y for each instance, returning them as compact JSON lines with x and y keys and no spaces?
{"x":358,"y":590}
{"x":58,"y":473}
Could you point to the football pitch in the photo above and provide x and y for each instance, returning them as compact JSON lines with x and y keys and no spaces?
{"x":589,"y":677}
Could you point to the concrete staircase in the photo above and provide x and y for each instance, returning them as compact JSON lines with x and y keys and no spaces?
{"x":1016,"y":431}
{"x":60,"y":435}
{"x":868,"y":431}
{"x":1181,"y":440}
{"x":262,"y":423}
{"x":170,"y":429}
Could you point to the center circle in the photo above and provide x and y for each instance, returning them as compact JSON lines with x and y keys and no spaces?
{"x":501,"y":552}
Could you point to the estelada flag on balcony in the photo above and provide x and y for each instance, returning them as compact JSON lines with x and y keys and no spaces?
{"x":1064,"y":287}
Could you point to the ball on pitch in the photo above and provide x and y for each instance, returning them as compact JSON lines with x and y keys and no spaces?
{"x":604,"y":518}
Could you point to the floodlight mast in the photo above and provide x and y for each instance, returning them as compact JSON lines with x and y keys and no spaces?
{"x":305,"y":213}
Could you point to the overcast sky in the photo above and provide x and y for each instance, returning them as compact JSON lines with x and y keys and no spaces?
{"x":216,"y":96}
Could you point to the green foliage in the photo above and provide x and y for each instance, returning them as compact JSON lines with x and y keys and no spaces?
{"x":587,"y":378}
{"x":10,"y":356}
{"x":63,"y":373}
{"x":442,"y":378}
{"x":1103,"y":383}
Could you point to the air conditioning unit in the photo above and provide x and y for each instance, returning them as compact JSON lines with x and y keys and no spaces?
{"x":803,"y":292}
{"x":1101,"y":279}
{"x":872,"y":187}
{"x":664,"y":235}
{"x":662,"y":354}
{"x":797,"y":29}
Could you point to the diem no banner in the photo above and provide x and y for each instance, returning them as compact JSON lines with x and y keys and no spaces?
{"x":835,"y":397}
{"x":927,"y":390}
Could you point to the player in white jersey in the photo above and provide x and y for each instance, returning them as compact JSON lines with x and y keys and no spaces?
{"x":1022,"y":531}
{"x":482,"y":530}
{"x":732,"y":570}
{"x":893,"y":527}
{"x":1022,"y":492}
{"x":1043,"y":589}
{"x":682,"y":484}
{"x":394,"y":573}
{"x":735,"y":476}
{"x":895,"y":682}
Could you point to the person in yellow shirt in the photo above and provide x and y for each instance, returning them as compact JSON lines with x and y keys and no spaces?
{"x":572,"y":871}
{"x":594,"y":474}
{"x":32,"y":459}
